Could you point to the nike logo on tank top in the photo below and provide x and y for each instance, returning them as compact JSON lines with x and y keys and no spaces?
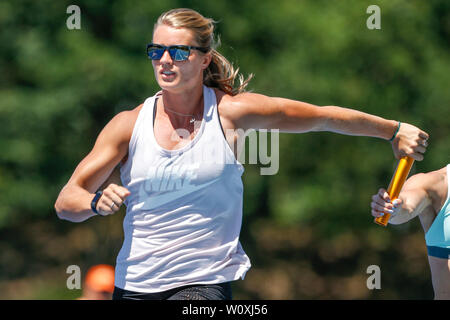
{"x":184,"y":212}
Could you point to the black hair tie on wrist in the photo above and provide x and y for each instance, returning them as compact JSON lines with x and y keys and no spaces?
{"x":94,"y":201}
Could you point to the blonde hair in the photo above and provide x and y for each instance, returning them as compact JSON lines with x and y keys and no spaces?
{"x":220,"y":72}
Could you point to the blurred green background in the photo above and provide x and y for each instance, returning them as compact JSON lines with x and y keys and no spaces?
{"x":308,"y":229}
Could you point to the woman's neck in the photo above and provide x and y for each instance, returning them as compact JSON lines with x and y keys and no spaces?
{"x":187,"y":102}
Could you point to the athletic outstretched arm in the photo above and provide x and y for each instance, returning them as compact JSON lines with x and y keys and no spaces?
{"x":255,"y":111}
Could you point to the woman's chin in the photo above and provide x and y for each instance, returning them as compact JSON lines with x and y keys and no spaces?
{"x":175,"y":87}
{"x":168,"y":86}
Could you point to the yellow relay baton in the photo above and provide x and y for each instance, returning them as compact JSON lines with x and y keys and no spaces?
{"x":397,"y":181}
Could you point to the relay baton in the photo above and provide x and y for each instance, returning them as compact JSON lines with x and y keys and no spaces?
{"x":397,"y":181}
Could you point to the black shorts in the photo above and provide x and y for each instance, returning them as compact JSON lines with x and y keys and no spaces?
{"x":220,"y":291}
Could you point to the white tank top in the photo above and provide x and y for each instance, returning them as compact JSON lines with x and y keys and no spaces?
{"x":184,"y":212}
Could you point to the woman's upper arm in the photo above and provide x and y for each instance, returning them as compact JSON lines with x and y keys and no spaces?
{"x":257,"y":111}
{"x":109,"y":149}
{"x":415,"y":198}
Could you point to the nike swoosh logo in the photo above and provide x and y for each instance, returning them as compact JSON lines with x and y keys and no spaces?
{"x":155,"y":201}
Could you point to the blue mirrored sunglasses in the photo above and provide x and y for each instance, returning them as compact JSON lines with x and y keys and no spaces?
{"x":177,"y":52}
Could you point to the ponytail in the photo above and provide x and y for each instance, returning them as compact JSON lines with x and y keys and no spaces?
{"x":221,"y":74}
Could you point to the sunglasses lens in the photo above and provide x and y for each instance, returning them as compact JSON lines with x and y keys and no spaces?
{"x":155,"y":53}
{"x":179,"y":53}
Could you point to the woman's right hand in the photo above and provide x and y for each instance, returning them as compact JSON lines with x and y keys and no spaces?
{"x":381,"y":204}
{"x":112,"y":199}
{"x":410,"y":141}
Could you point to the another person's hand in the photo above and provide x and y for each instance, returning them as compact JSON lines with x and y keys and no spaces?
{"x":410,"y":141}
{"x":381,"y":204}
{"x":112,"y":199}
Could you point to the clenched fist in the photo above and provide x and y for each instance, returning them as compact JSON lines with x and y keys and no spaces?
{"x":381,"y":204}
{"x":111,"y":199}
{"x":410,"y":141}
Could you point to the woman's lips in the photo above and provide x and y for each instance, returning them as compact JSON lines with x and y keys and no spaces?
{"x":167,"y":74}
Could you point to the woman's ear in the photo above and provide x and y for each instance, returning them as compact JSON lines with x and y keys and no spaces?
{"x":207,"y":57}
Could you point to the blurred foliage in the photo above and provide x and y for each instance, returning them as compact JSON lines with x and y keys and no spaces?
{"x":307,"y":229}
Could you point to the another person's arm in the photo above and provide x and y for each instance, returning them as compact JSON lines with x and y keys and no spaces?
{"x":255,"y":111}
{"x":413,"y":200}
{"x":111,"y":146}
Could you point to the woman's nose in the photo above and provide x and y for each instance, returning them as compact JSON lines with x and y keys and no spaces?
{"x":166,"y":58}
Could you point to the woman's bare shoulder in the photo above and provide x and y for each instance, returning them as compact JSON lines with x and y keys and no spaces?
{"x":229,"y":106}
{"x":234,"y":105}
{"x":122,"y":124}
{"x":435,"y":179}
{"x":434,"y":183}
{"x":438,"y":185}
{"x":132,"y":113}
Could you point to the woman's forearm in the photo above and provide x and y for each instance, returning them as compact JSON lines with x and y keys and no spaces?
{"x":296,"y":117}
{"x":74,"y":204}
{"x":357,"y":123}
